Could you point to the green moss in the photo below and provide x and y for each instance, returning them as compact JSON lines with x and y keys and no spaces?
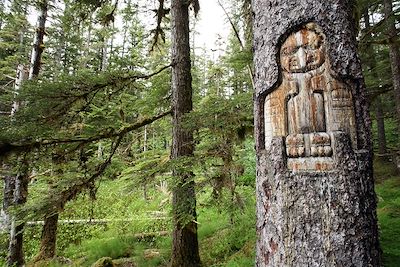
{"x":384,"y":170}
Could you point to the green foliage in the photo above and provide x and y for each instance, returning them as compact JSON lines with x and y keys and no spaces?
{"x":227,"y":239}
{"x":389,"y":219}
{"x":93,"y":249}
{"x":384,"y":169}
{"x":391,"y":133}
{"x":67,"y":235}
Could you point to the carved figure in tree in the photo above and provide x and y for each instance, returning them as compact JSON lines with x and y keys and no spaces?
{"x":309,"y":104}
{"x":316,"y":204}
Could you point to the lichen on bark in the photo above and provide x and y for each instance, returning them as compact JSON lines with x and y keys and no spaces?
{"x":313,"y":217}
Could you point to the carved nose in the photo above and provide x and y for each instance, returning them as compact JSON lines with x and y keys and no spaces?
{"x":301,"y":54}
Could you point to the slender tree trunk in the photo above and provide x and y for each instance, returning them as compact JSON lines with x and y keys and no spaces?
{"x":2,"y":8}
{"x":145,"y":150}
{"x":371,"y":63}
{"x":38,"y":45}
{"x":185,"y":250}
{"x":20,"y":194}
{"x":17,"y":189}
{"x":145,"y":139}
{"x":16,"y":254}
{"x":49,"y":230}
{"x":315,"y":189}
{"x":104,"y":60}
{"x":380,"y":121}
{"x":88,"y":38}
{"x":394,"y":54}
{"x":9,"y":187}
{"x":48,"y":238}
{"x":229,"y":178}
{"x":124,"y":39}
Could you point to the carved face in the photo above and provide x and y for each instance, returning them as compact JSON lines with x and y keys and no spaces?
{"x":302,"y":51}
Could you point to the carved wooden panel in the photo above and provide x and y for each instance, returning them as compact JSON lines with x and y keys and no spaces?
{"x":309,"y":104}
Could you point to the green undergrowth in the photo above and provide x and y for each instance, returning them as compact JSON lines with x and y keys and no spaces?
{"x":388,"y":193}
{"x":226,"y":227}
{"x":226,"y":238}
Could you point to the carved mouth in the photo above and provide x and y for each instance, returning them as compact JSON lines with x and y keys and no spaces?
{"x":307,"y":68}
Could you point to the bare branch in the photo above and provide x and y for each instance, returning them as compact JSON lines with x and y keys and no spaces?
{"x":161,"y":12}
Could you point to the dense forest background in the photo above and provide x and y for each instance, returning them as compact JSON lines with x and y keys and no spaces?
{"x":86,"y":132}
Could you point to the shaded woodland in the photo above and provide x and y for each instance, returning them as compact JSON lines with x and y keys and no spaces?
{"x":122,"y":143}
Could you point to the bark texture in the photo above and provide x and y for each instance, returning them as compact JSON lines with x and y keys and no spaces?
{"x":274,"y":20}
{"x":9,"y":187}
{"x":20,"y":194}
{"x":312,"y":216}
{"x":17,"y":187}
{"x":48,"y":239}
{"x":394,"y":53}
{"x":38,"y":45}
{"x":185,"y":250}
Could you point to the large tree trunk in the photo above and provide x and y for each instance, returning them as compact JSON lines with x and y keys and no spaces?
{"x":185,"y":251}
{"x":315,"y":190}
{"x":394,"y":54}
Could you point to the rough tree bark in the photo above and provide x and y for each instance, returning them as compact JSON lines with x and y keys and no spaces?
{"x":185,"y":250}
{"x":394,"y":53}
{"x":49,"y":230}
{"x":315,"y":192}
{"x":17,"y":187}
{"x":9,"y":187}
{"x":20,"y":195}
{"x":9,"y":180}
{"x":48,"y":238}
{"x":38,"y":45}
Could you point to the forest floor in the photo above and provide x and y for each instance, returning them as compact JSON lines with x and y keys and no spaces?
{"x":387,"y":187}
{"x":226,"y":232}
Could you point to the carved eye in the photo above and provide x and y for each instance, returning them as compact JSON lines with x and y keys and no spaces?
{"x":289,"y":50}
{"x":310,"y":58}
{"x":293,"y":63}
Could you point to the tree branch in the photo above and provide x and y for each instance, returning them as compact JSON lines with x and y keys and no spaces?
{"x":57,"y":199}
{"x":9,"y":146}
